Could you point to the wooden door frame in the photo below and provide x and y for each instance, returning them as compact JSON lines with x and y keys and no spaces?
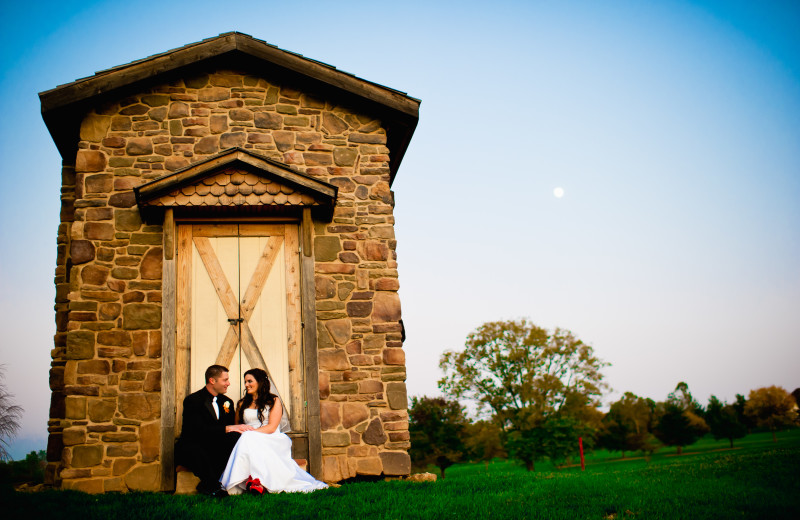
{"x":169,"y":339}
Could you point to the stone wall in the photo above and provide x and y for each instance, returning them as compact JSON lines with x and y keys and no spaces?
{"x":105,"y":376}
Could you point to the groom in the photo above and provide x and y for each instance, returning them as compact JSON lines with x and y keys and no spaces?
{"x":209,"y":432}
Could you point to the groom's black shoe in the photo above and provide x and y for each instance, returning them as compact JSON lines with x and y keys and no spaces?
{"x":212,"y":490}
{"x":219,"y":493}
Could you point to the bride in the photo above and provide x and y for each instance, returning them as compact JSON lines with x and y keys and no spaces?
{"x":262,"y":457}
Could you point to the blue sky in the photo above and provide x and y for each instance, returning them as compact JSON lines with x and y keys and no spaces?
{"x":672,"y":126}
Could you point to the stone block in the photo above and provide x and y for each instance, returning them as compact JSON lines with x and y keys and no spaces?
{"x":80,"y":344}
{"x":102,"y":410}
{"x":326,"y":248}
{"x":73,"y":436}
{"x":139,"y":146}
{"x":134,"y":110}
{"x":122,"y":450}
{"x":155,"y":100}
{"x":369,"y":466}
{"x":127,"y":220}
{"x":374,"y":433}
{"x":114,"y":338}
{"x":397,"y":396}
{"x":231,"y":140}
{"x":373,"y":250}
{"x":207,"y":145}
{"x":394,"y":356}
{"x":86,"y":456}
{"x":152,"y":381}
{"x":386,"y":307}
{"x":144,"y":478}
{"x":343,"y":156}
{"x":150,"y":441}
{"x":94,"y":274}
{"x":140,"y":406}
{"x":354,"y":413}
{"x":92,"y":486}
{"x":94,"y":127}
{"x":141,"y":316}
{"x":122,"y":200}
{"x":213,"y":94}
{"x":119,"y":437}
{"x":324,"y":385}
{"x":90,"y":161}
{"x":344,"y":290}
{"x":269,"y":120}
{"x":324,"y":288}
{"x":94,"y":366}
{"x":75,"y":407}
{"x":151,"y":266}
{"x":178,"y":109}
{"x":386,"y":284}
{"x":344,"y":388}
{"x":359,"y":309}
{"x":335,"y":439}
{"x":186,"y":483}
{"x":329,"y":415}
{"x":333,"y":123}
{"x":81,"y":251}
{"x":98,"y":231}
{"x":330,"y":469}
{"x":370,"y":387}
{"x":395,"y":463}
{"x":121,"y":466}
{"x":340,"y":330}
{"x":109,"y":311}
{"x":333,"y":360}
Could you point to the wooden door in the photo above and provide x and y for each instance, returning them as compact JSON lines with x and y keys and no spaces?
{"x":238,"y":305}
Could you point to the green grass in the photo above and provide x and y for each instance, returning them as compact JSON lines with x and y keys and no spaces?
{"x":758,"y":479}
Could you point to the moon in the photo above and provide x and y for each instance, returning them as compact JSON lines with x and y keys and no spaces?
{"x":558,"y":192}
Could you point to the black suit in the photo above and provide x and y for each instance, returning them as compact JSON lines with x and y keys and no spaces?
{"x":204,"y":446}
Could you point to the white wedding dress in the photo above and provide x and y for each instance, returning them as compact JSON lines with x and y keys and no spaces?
{"x":267,"y":457}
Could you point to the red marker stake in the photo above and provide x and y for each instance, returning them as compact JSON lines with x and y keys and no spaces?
{"x":580,"y":444}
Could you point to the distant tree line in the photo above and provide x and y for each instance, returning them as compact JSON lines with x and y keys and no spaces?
{"x":538,"y":391}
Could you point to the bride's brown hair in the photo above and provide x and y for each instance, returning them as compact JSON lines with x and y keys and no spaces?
{"x":264,"y":397}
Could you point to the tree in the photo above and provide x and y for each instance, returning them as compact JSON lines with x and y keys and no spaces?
{"x":483,"y":441}
{"x":626,"y":426}
{"x":679,"y":423}
{"x":436,"y":426}
{"x":723,"y":420}
{"x":739,"y":406}
{"x":524,"y":375}
{"x":10,"y":417}
{"x":771,"y":407}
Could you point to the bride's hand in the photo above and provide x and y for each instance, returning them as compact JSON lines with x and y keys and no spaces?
{"x":240,"y":428}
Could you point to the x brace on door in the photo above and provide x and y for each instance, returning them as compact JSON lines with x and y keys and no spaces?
{"x":239,"y":314}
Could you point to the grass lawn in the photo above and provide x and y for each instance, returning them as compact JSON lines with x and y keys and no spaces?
{"x":757,"y":479}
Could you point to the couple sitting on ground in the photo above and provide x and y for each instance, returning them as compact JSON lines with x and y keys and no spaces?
{"x":233,"y":450}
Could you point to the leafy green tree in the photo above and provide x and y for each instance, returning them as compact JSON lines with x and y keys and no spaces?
{"x":524,"y":375}
{"x":10,"y":417}
{"x":483,"y":441}
{"x":679,"y":423}
{"x":723,"y":420}
{"x":739,"y":405}
{"x":771,"y":407}
{"x":436,"y":426}
{"x":627,"y":425}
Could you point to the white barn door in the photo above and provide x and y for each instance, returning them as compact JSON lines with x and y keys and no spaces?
{"x":238,"y":305}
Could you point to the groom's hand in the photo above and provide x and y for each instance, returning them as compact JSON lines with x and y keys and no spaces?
{"x":240,"y":428}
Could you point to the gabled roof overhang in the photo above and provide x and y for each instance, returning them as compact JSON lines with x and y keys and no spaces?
{"x":64,"y":106}
{"x":235,"y":182}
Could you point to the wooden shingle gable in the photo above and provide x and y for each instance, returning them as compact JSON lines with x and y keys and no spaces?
{"x":64,"y":106}
{"x":235,"y":178}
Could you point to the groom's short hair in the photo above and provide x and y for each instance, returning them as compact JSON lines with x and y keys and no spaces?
{"x":215,"y":371}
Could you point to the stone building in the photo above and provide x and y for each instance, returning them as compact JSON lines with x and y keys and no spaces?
{"x":227,"y":201}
